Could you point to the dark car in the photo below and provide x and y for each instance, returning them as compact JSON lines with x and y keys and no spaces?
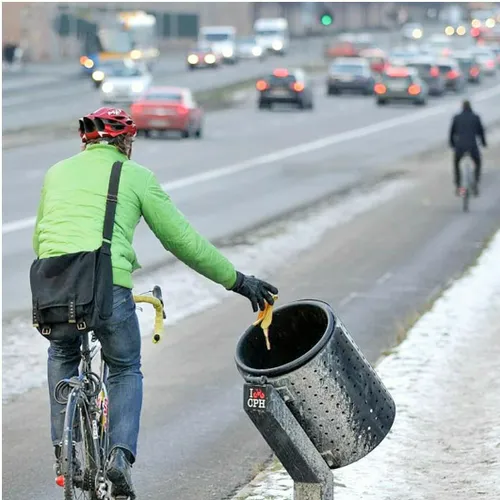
{"x":285,"y":86}
{"x":429,"y":72}
{"x":350,"y":74}
{"x":469,"y":65}
{"x":202,"y":56}
{"x":454,"y":76}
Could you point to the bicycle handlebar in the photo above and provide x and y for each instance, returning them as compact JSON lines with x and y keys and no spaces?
{"x":157,"y":302}
{"x":157,"y":294}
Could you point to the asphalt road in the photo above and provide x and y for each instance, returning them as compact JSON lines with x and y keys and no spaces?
{"x":378,"y":270}
{"x":71,"y":97}
{"x":295,"y":157}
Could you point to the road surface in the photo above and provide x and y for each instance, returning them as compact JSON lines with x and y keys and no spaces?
{"x":295,"y":157}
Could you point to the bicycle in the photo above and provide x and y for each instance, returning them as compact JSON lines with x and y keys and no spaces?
{"x":466,"y":180}
{"x":86,"y":419}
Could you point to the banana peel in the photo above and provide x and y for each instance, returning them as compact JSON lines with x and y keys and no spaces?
{"x":264,"y":319}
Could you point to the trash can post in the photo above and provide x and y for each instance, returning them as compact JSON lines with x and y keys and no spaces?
{"x":313,"y":479}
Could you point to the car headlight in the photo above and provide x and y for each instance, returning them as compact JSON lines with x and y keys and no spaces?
{"x":88,"y":63}
{"x":209,"y":58}
{"x":256,"y":51}
{"x":476,"y":23}
{"x":107,"y":87}
{"x":461,"y":31}
{"x":135,"y":54}
{"x":416,"y":33}
{"x":490,"y":23}
{"x":137,"y":87}
{"x":227,"y":52}
{"x":193,"y":59}
{"x":449,"y":30}
{"x":98,"y":76}
{"x":277,"y":45}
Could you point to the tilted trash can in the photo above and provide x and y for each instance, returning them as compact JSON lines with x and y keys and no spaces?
{"x":324,"y":379}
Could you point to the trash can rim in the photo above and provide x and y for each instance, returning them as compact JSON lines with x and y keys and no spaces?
{"x":300,"y":361}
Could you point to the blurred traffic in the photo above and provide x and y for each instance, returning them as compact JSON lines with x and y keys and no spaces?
{"x":419,"y":65}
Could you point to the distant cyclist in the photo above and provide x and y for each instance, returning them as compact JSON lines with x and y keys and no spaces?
{"x":70,"y":219}
{"x":465,"y":128}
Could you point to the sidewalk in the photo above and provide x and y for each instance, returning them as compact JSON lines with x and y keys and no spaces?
{"x":445,"y":379}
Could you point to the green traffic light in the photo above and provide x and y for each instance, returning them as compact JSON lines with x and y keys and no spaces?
{"x":326,"y":20}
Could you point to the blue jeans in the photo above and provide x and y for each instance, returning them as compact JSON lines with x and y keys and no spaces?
{"x":120,"y":339}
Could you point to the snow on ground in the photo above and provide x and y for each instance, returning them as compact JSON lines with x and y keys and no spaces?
{"x":445,"y":380}
{"x":186,"y":293}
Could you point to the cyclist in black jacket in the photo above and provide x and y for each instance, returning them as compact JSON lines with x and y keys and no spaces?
{"x":465,"y":127}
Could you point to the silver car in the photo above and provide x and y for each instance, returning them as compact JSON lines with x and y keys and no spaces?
{"x":486,"y":59}
{"x":123,"y":85}
{"x":350,"y":74}
{"x":401,"y":85}
{"x":248,"y":48}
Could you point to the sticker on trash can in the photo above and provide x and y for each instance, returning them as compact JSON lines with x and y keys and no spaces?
{"x":256,"y":397}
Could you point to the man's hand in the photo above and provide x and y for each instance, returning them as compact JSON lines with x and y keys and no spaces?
{"x":258,"y":292}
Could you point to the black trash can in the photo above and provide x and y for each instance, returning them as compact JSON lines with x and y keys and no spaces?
{"x":327,"y":383}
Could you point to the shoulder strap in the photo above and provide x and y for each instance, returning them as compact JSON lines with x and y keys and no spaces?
{"x":111,"y":201}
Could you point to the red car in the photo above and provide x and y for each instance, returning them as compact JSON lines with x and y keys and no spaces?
{"x":168,"y":108}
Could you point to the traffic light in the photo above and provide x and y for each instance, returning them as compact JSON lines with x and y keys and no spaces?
{"x":326,"y":18}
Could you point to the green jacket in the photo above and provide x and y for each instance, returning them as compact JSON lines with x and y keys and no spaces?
{"x":71,"y":215}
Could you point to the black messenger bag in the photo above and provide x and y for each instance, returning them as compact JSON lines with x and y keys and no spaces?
{"x":76,"y":289}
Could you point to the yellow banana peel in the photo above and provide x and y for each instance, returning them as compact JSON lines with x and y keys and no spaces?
{"x":264,"y":319}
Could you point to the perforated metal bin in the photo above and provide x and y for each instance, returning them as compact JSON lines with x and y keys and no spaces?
{"x":326,"y":382}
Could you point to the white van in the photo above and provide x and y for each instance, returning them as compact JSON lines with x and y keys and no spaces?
{"x":272,"y":34}
{"x":222,"y":40}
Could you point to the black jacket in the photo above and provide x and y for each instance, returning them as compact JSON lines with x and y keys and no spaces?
{"x":465,"y":127}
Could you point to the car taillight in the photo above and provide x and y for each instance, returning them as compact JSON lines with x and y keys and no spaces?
{"x":261,"y":85}
{"x":474,"y":32}
{"x":414,"y":89}
{"x":474,"y":71}
{"x":452,"y":74}
{"x":380,"y":88}
{"x":181,"y":110}
{"x":434,"y":72}
{"x":298,"y":87}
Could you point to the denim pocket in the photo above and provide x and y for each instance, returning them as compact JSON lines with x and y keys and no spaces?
{"x":123,"y":304}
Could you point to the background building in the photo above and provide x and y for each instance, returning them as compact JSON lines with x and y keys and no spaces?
{"x":35,"y":26}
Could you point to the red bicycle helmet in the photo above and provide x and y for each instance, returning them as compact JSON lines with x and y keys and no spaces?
{"x":106,"y":123}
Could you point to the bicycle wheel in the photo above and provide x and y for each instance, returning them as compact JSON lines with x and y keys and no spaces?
{"x":79,"y":456}
{"x":465,"y":200}
{"x":466,"y":184}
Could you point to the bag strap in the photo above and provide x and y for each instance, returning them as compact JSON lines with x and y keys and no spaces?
{"x":111,"y":202}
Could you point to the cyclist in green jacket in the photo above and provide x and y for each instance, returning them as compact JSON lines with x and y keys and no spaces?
{"x":70,"y":219}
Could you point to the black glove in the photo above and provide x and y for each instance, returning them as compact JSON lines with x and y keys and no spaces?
{"x":258,"y":292}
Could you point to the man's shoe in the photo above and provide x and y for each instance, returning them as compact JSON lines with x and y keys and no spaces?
{"x":119,"y":473}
